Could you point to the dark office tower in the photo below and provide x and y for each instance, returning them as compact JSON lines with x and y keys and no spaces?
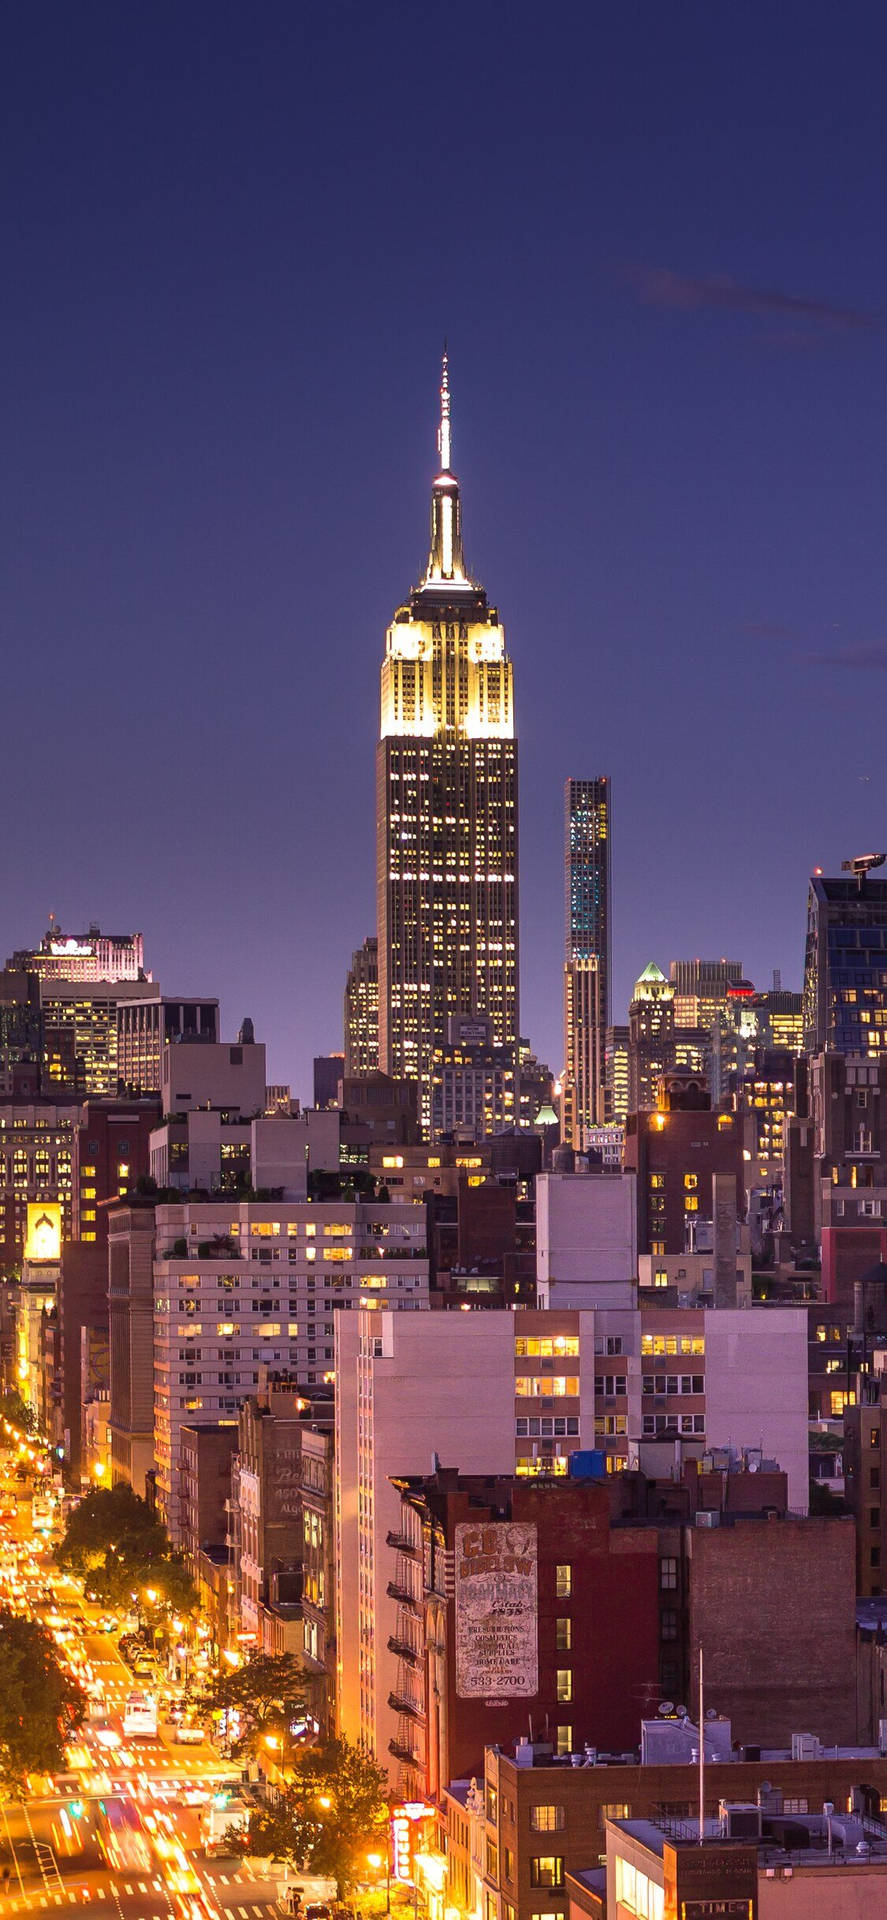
{"x":651,"y":1038}
{"x":845,"y":972}
{"x":587,"y":954}
{"x":362,"y":1011}
{"x":329,"y":1069}
{"x":446,"y":809}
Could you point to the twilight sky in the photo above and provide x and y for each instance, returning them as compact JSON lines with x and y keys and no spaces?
{"x":234,"y":237}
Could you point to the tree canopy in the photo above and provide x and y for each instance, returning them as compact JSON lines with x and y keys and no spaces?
{"x":41,"y":1705}
{"x":328,"y":1815}
{"x":268,"y":1694}
{"x":114,"y":1540}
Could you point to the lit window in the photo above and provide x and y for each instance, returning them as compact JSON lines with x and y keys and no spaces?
{"x":564,"y":1683}
{"x":563,"y":1582}
{"x":691,"y":1182}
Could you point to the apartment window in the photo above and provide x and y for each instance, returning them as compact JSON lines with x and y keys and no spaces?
{"x":691,"y":1203}
{"x":493,"y":1861}
{"x":874,"y":1437}
{"x":875,"y":1479}
{"x":508,"y":1863}
{"x":874,"y":1517}
{"x":492,"y":1805}
{"x":668,"y":1574}
{"x":547,"y":1819}
{"x":547,"y":1869}
{"x":668,"y":1624}
{"x":563,"y":1582}
{"x":615,"y":1810}
{"x":657,"y":1182}
{"x":564,"y":1683}
{"x":691,"y":1182}
{"x":563,"y":1634}
{"x":875,"y":1557}
{"x":796,"y":1806}
{"x":563,"y":1739}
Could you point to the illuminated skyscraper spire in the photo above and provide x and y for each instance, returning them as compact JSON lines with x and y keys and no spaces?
{"x":443,"y":432}
{"x":446,"y":565}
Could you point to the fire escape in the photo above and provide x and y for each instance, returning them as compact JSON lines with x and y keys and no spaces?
{"x":406,"y":1642}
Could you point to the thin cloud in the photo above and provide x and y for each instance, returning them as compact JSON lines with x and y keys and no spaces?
{"x":769,"y":630}
{"x":717,"y":293}
{"x":864,"y":659}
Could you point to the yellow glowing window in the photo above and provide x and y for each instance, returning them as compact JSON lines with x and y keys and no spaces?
{"x":87,"y":1193}
{"x":841,"y":1400}
{"x":88,"y":1213}
{"x":338,"y":1254}
{"x":292,"y":1328}
{"x":88,"y":1173}
{"x":691,"y":1182}
{"x":188,"y":1329}
{"x":691,"y":1203}
{"x":264,"y":1229}
{"x":269,"y":1329}
{"x":337,"y":1231}
{"x":225,"y":1328}
{"x":373,"y":1280}
{"x":392,"y":1159}
{"x":310,"y":1230}
{"x":310,"y":1253}
{"x":469,"y":1160}
{"x":657,"y":1181}
{"x":433,"y":1160}
{"x":725,"y":1122}
{"x":87,"y":1236}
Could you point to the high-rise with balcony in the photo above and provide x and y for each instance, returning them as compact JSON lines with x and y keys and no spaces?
{"x":446,"y":807}
{"x":587,"y":955}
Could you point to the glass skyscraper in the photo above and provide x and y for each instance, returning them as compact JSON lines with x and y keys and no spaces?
{"x":587,"y":954}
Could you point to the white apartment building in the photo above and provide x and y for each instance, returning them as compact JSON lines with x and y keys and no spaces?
{"x":586,"y":1238}
{"x":518,"y":1392}
{"x":239,"y":1286}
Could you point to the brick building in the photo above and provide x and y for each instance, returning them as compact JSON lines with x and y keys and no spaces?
{"x":677,"y":1153}
{"x":539,"y":1822}
{"x":579,"y":1653}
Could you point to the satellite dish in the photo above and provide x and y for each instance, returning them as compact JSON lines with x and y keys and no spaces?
{"x":666,"y":1706}
{"x":682,"y":1711}
{"x":711,"y":1713}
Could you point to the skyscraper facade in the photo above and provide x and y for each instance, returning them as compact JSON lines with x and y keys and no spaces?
{"x":845,"y":972}
{"x":446,"y":808}
{"x":651,"y":1041}
{"x":362,"y":1011}
{"x":587,"y":955}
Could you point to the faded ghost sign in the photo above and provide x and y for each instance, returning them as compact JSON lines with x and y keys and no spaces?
{"x":496,"y":1639}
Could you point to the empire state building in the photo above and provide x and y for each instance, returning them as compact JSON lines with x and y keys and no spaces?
{"x":446,"y":815}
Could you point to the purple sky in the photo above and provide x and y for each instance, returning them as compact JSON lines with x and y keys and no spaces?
{"x":233,"y":241}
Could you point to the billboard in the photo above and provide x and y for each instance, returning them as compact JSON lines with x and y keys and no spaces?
{"x":44,"y":1239}
{"x":496,"y":1611}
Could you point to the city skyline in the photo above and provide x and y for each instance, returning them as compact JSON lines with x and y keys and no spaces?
{"x":669,"y":464}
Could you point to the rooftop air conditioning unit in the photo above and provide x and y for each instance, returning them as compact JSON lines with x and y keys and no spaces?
{"x":707,"y":1519}
{"x":740,"y":1820}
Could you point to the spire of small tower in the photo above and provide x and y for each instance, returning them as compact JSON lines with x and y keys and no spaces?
{"x":443,"y":432}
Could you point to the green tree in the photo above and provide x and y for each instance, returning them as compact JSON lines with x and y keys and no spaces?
{"x":268,"y":1693}
{"x":114,"y":1540}
{"x":14,"y":1409}
{"x":328,"y":1816}
{"x":40,"y":1704}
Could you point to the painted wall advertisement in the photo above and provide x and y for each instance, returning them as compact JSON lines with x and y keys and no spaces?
{"x":496,"y":1619}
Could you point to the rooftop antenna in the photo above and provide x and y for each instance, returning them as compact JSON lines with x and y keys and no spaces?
{"x":443,"y":436}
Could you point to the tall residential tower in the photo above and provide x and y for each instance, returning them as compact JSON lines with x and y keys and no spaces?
{"x":587,"y":955}
{"x":446,"y":808}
